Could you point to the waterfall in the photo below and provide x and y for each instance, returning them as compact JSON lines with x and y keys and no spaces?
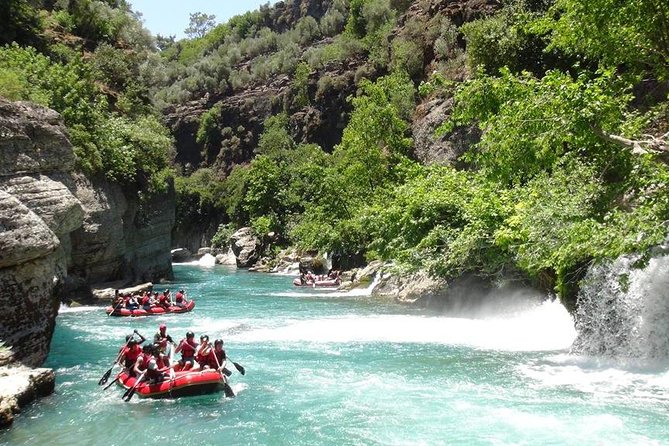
{"x":623,"y":311}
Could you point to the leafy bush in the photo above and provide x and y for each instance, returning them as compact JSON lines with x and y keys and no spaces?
{"x":209,"y":132}
{"x":222,"y":237}
{"x":126,"y":150}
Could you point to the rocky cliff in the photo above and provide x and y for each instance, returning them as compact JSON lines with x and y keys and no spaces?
{"x":60,"y":231}
{"x":322,"y":121}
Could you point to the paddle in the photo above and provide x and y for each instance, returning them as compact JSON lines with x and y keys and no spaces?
{"x":239,"y":368}
{"x":107,"y":374}
{"x":111,"y":383}
{"x":229,"y":393}
{"x":131,"y":392}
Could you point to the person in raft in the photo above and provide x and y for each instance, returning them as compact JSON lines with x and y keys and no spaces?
{"x":131,"y":352}
{"x":187,"y":347}
{"x":132,"y":303}
{"x":216,"y":357}
{"x":161,"y":338}
{"x":151,"y":365}
{"x":180,"y":299}
{"x":164,"y":299}
{"x":203,"y":351}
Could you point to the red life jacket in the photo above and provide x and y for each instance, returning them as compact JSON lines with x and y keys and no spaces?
{"x":146,"y":300}
{"x":212,"y":356}
{"x":146,"y":357}
{"x":131,"y":354}
{"x":187,"y":349}
{"x":179,"y":297}
{"x":162,"y":299}
{"x":202,"y":359}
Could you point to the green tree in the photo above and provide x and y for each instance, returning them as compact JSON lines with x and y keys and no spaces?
{"x":630,"y":32}
{"x":375,"y":141}
{"x":530,"y":123}
{"x":199,"y":25}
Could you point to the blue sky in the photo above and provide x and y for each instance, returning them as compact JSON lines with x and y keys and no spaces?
{"x":170,"y":17}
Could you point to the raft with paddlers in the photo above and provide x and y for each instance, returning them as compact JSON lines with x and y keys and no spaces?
{"x":332,"y":279}
{"x":187,"y":383}
{"x":154,"y":310}
{"x":317,"y":283}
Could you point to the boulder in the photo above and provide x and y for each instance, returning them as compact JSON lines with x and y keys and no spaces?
{"x":19,"y":386}
{"x":366,"y":274}
{"x":246,"y":247}
{"x":227,"y":258}
{"x":181,"y":255}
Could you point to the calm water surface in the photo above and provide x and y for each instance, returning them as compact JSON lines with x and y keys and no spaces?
{"x":327,"y":368}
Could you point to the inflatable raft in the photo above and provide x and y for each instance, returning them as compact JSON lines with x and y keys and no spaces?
{"x":318,"y":283}
{"x":183,"y":384}
{"x":153,"y":311}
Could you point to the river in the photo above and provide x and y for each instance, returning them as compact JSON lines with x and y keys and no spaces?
{"x":330,"y":368}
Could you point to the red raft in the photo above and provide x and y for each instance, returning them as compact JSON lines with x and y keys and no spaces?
{"x":318,"y":283}
{"x":186,"y":383}
{"x":153,"y":311}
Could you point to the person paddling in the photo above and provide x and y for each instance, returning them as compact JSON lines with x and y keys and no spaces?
{"x":203,"y":351}
{"x":187,"y":347}
{"x":151,"y":365}
{"x":216,"y":357}
{"x":161,"y":338}
{"x":180,"y":299}
{"x":129,"y":354}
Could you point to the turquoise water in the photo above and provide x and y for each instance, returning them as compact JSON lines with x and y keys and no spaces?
{"x":327,"y":368}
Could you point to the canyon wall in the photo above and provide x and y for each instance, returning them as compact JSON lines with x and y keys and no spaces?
{"x":61,"y":231}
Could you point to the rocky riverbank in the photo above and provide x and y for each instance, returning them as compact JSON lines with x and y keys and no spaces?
{"x":19,"y":386}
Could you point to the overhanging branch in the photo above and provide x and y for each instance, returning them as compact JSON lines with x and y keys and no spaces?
{"x":650,"y":143}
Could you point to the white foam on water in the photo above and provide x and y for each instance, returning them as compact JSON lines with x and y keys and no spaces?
{"x":67,"y":309}
{"x":545,"y":326}
{"x":608,"y":379}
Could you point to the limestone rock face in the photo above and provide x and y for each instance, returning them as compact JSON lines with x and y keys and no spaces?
{"x":431,"y":149}
{"x":61,"y":231}
{"x":24,"y":235}
{"x":32,"y":139}
{"x":246,"y":247}
{"x":121,"y":237}
{"x":35,"y":210}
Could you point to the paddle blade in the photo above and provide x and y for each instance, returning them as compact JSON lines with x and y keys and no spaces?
{"x":239,"y":368}
{"x":229,"y":393}
{"x":126,"y":398}
{"x":110,"y":384}
{"x":226,"y":371}
{"x":105,"y":377}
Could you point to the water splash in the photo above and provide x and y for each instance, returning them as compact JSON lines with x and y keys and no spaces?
{"x":207,"y":260}
{"x":540,"y":327}
{"x":623,"y":312}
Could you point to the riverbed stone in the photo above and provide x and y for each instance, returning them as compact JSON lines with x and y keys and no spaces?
{"x":19,"y":386}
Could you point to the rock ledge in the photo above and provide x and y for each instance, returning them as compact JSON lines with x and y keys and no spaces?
{"x":19,"y":386}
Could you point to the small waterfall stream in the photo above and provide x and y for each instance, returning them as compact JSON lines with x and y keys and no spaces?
{"x":623,"y":311}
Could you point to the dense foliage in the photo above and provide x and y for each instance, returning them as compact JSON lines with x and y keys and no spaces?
{"x":547,"y":189}
{"x":553,"y":86}
{"x":93,"y":81}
